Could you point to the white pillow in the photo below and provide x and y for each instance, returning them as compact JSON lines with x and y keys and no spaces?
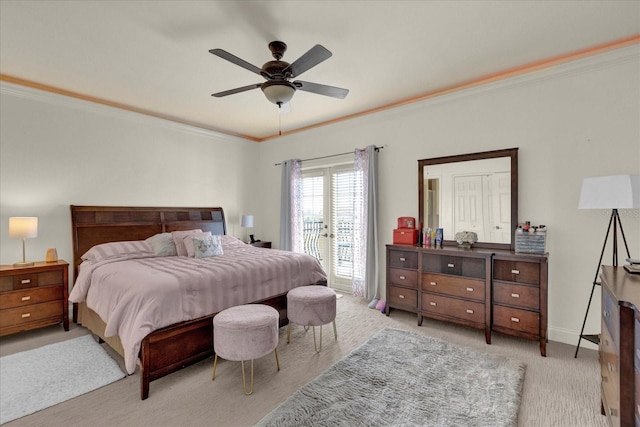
{"x":207,"y":246}
{"x":162,"y":244}
{"x":178,"y":237}
{"x":188,"y":243}
{"x":133,"y":248}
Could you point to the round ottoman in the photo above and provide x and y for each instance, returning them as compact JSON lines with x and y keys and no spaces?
{"x":245,"y":332}
{"x":313,"y":305}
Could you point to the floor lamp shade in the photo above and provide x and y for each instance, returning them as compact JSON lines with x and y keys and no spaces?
{"x":610,"y":192}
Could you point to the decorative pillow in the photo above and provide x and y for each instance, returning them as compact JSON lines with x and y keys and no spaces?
{"x":162,"y":244}
{"x":134,"y":248}
{"x":178,"y":239}
{"x":207,"y":246}
{"x":188,"y":243}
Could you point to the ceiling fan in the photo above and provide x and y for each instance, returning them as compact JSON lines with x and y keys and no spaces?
{"x":278,"y":88}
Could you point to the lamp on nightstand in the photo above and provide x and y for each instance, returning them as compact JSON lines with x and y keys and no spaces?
{"x":608,"y":192}
{"x":23,"y":227}
{"x":247,"y":222}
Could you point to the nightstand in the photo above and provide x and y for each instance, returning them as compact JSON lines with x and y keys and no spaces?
{"x":262,"y":244}
{"x":34,"y":296}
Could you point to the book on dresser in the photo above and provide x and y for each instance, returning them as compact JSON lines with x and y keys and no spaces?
{"x":488,"y":289}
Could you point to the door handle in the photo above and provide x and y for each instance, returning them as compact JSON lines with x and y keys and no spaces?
{"x":324,"y":235}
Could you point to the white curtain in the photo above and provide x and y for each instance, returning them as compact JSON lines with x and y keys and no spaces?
{"x":365,"y":234}
{"x":291,"y":226}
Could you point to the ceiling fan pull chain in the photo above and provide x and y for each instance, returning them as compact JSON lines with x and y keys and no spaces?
{"x":279,"y":118}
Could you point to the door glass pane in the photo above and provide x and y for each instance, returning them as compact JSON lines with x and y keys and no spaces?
{"x":313,"y":216}
{"x":342,"y":213}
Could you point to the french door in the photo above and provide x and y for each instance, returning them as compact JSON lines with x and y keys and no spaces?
{"x":328,"y":212}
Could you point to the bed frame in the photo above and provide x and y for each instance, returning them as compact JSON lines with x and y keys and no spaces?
{"x":176,"y":346}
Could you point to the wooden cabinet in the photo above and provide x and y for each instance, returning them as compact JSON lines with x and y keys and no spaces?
{"x":455,"y":287}
{"x":487,"y":289}
{"x":519,"y":300}
{"x":620,"y":346}
{"x":34,"y":296}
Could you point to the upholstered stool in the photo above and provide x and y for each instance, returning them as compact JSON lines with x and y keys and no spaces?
{"x":312,"y":306}
{"x":245,"y":332}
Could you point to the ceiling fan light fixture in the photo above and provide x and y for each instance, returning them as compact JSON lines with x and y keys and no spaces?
{"x":278,"y":92}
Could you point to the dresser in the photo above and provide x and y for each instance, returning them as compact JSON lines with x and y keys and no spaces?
{"x":519,"y":296}
{"x":34,"y":296}
{"x":620,"y":346}
{"x":488,"y":289}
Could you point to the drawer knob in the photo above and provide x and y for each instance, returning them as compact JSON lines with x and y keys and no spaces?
{"x":469,"y":289}
{"x":432,"y":303}
{"x":433,"y":283}
{"x":25,"y":281}
{"x":514,"y":295}
{"x":515,"y":319}
{"x":27,"y":298}
{"x":469,"y":311}
{"x":402,"y":277}
{"x":638,"y":356}
{"x":451,"y":265}
{"x":401,"y":296}
{"x":515,"y":271}
{"x":605,"y":379}
{"x":613,"y":412}
{"x":605,"y":313}
{"x":25,"y":315}
{"x":403,"y":259}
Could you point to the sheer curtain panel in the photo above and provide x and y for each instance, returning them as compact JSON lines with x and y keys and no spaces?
{"x":290,"y":206}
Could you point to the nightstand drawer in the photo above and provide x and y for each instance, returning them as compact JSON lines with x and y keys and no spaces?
{"x":401,"y":277}
{"x":31,"y":280}
{"x":31,"y":296}
{"x":517,"y":271}
{"x":516,"y":319}
{"x":517,"y":295}
{"x":31,"y":313}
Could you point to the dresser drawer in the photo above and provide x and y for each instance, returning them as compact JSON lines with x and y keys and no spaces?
{"x":610,"y":316}
{"x":403,"y":298}
{"x":517,"y":295}
{"x":403,"y":259}
{"x":401,"y":277}
{"x":455,"y":286}
{"x":454,"y":265}
{"x":609,"y":370}
{"x":31,"y":313}
{"x":517,"y":271}
{"x":637,"y":346}
{"x":30,"y":280}
{"x":31,"y":296}
{"x":453,"y":307}
{"x":516,"y":319}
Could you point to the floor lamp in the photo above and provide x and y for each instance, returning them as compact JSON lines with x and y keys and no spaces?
{"x":608,"y":192}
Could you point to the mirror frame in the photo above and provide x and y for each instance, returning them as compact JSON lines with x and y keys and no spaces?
{"x":512,"y":153}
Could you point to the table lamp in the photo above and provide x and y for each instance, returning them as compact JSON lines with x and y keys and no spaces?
{"x":23,"y":227}
{"x":247,"y":222}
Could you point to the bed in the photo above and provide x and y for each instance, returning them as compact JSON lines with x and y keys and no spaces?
{"x":170,"y":300}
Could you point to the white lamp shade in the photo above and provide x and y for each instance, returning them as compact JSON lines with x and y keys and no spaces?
{"x":23,"y":227}
{"x":247,"y":221}
{"x":610,"y":192}
{"x":278,"y":92}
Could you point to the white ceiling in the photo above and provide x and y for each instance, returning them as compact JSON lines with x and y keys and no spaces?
{"x":153,"y":55}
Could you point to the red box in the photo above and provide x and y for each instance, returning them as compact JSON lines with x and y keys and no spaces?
{"x":405,"y":236}
{"x":406,"y":222}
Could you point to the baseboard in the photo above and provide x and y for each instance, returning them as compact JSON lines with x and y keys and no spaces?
{"x":568,"y":336}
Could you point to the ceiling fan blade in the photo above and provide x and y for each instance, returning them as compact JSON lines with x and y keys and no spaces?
{"x":234,"y":59}
{"x":236,"y":90}
{"x":334,"y":92}
{"x":313,"y":57}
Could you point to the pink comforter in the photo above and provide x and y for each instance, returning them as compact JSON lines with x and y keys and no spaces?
{"x":135,"y":296}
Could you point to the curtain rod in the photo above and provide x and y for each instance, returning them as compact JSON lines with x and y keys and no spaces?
{"x":331,"y":155}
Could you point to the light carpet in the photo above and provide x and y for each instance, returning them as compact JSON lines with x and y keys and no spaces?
{"x":36,"y":379}
{"x":400,"y":378}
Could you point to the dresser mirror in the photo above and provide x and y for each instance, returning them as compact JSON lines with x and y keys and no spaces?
{"x":471,"y":192}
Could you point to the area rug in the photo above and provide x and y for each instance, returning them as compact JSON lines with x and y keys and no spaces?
{"x":401,"y":378}
{"x":36,"y":379}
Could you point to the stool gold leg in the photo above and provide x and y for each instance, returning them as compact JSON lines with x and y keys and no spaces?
{"x":289,"y":333}
{"x":275,"y":350}
{"x":215,"y":362}
{"x":244,"y":381}
{"x":335,"y":331}
{"x":318,"y":350}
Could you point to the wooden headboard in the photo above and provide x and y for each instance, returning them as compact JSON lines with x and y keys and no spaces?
{"x":93,"y":225}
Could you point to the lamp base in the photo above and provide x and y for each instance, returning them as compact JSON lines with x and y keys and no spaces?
{"x":23,"y":264}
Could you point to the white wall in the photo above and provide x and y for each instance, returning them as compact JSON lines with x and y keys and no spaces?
{"x":579,"y":119}
{"x":576,"y":120}
{"x":56,"y":151}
